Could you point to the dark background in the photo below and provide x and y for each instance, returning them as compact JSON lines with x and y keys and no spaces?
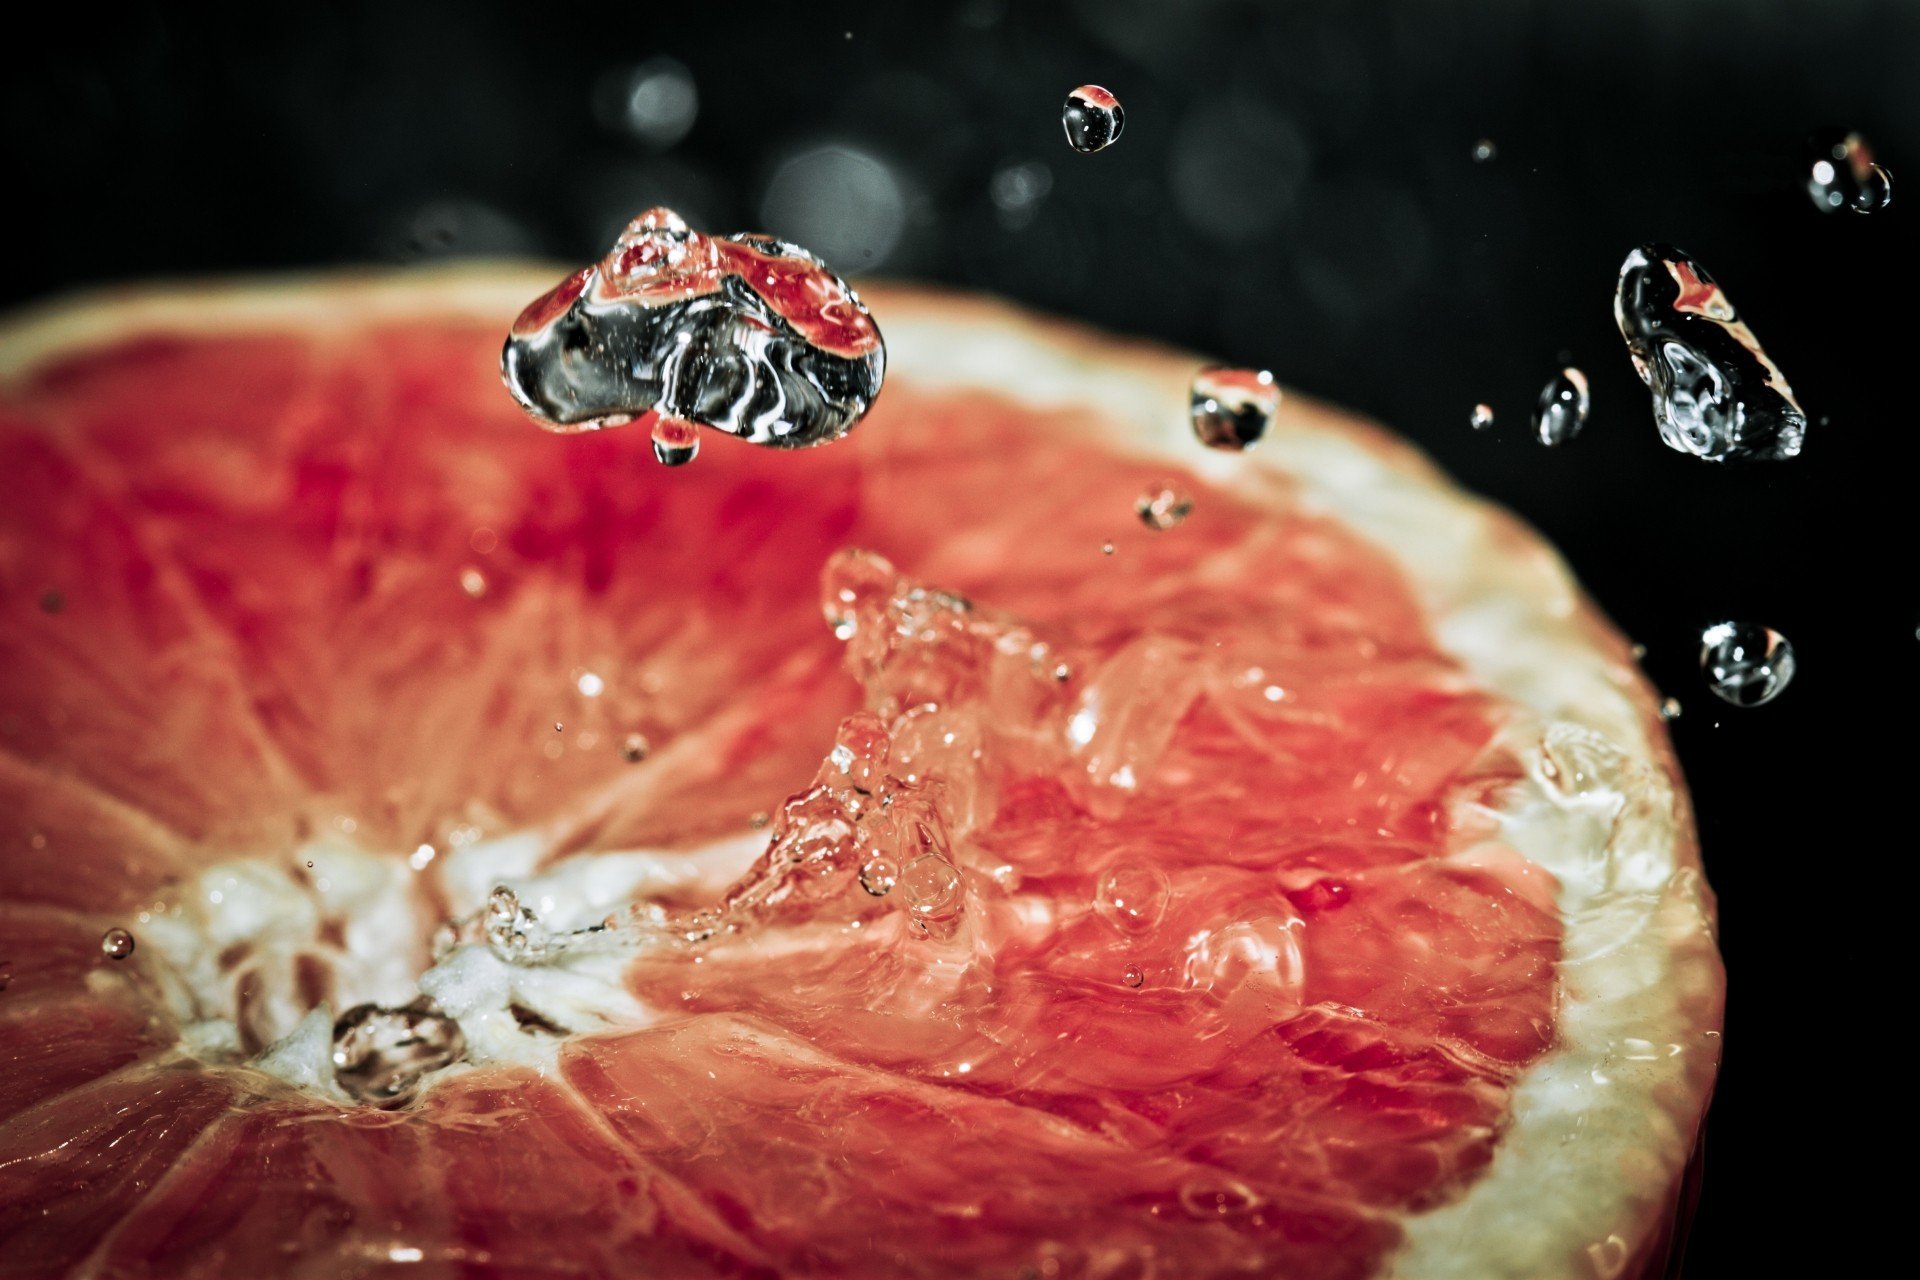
{"x":1295,"y":188}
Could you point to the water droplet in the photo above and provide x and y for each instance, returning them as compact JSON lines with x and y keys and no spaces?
{"x":1841,"y":174}
{"x":861,"y":750}
{"x":1484,"y":150}
{"x":634,"y":748}
{"x":1715,"y":393}
{"x":1670,"y":710}
{"x":590,"y":684}
{"x":1133,"y":977}
{"x":511,"y":928}
{"x":855,"y":584}
{"x":1132,"y":896}
{"x":1106,"y":548}
{"x":745,"y":334}
{"x":116,"y":944}
{"x":1258,"y":956}
{"x":1092,"y":118}
{"x":473,"y":582}
{"x":931,"y":885}
{"x":1215,"y":1199}
{"x":1562,"y":411}
{"x":676,"y":442}
{"x":1232,"y":408}
{"x":879,"y":874}
{"x":1163,"y":507}
{"x":381,"y":1054}
{"x":1482,"y":417}
{"x":1017,"y":191}
{"x":558,"y":727}
{"x":1745,"y":664}
{"x":52,"y":602}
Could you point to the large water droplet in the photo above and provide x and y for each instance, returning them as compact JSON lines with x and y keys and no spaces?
{"x":1092,"y":118}
{"x":1562,"y":411}
{"x":745,"y":334}
{"x":116,"y":944}
{"x":1715,"y":393}
{"x":1132,"y":896}
{"x":1163,"y":506}
{"x":1744,"y":663}
{"x":1841,"y":174}
{"x":1232,"y":408}
{"x":931,"y":885}
{"x":381,"y":1054}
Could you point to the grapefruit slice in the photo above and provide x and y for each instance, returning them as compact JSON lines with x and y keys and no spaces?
{"x":1303,"y":890}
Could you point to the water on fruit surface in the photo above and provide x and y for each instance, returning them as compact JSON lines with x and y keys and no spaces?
{"x":1093,"y":118}
{"x":1744,"y":663}
{"x":1716,"y":394}
{"x":381,"y":1054}
{"x":1841,"y":174}
{"x":1562,"y":412}
{"x":745,"y":334}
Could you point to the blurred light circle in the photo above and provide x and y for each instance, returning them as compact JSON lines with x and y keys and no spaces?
{"x":843,"y":204}
{"x":454,"y":228}
{"x":654,"y":102}
{"x":1236,"y":167}
{"x":1017,"y":190}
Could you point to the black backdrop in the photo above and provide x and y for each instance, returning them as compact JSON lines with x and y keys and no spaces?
{"x":1295,"y":188}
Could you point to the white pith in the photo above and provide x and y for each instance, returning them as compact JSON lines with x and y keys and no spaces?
{"x":1602,"y":1124}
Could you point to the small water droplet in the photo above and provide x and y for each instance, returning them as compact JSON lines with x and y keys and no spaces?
{"x":1092,"y":118}
{"x":1670,"y":709}
{"x":1132,"y":896}
{"x":1841,"y":174}
{"x":52,"y":602}
{"x":1562,"y":411}
{"x":1482,"y":417}
{"x":1163,"y":506}
{"x":676,"y":442}
{"x":1106,"y":548}
{"x":473,"y":582}
{"x":590,"y":684}
{"x":1745,"y":664}
{"x":309,"y":864}
{"x":1133,"y":977}
{"x":116,"y":944}
{"x":1232,"y":408}
{"x":511,"y":928}
{"x":854,"y":584}
{"x":381,"y":1054}
{"x":1484,"y":150}
{"x":634,"y":748}
{"x":930,"y":884}
{"x":879,"y":874}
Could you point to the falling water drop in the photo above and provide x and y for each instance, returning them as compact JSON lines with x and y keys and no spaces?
{"x":116,"y":943}
{"x":676,"y":442}
{"x":1562,"y":411}
{"x":1841,"y":174}
{"x":1163,"y":506}
{"x":1744,"y":663}
{"x":1232,"y":408}
{"x":1092,"y":118}
{"x":1482,"y":417}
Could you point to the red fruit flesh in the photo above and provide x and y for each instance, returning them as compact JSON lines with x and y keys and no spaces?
{"x":265,"y":547}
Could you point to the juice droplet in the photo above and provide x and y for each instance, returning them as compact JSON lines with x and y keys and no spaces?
{"x":473,"y":582}
{"x":676,"y":442}
{"x":1716,"y":395}
{"x":1841,"y":174}
{"x":1163,"y":507}
{"x":879,"y":874}
{"x":1562,"y":412}
{"x":116,"y":944}
{"x":634,"y":748}
{"x":1133,"y":977}
{"x":1132,"y":897}
{"x":1482,"y":417}
{"x":1232,"y":408}
{"x":1092,"y":118}
{"x":381,"y":1054}
{"x":745,"y":334}
{"x":1484,"y":150}
{"x":1745,"y":664}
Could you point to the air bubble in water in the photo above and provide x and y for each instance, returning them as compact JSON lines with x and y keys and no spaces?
{"x":381,"y":1054}
{"x":879,"y":874}
{"x":1744,"y":663}
{"x":745,"y":334}
{"x":1092,"y":118}
{"x":1132,"y":896}
{"x":116,"y":944}
{"x":1232,"y":408}
{"x":634,"y":748}
{"x":1715,"y":393}
{"x":1482,"y":417}
{"x":1562,"y":411}
{"x":1841,"y":174}
{"x":1163,"y":506}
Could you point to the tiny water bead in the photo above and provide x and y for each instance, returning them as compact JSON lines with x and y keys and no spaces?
{"x":1484,"y":150}
{"x":1132,"y":897}
{"x":1163,"y":506}
{"x":1232,"y":408}
{"x":745,"y":334}
{"x":634,"y":748}
{"x":931,"y":884}
{"x":1670,"y":709}
{"x":1744,"y":663}
{"x":1482,"y":417}
{"x":1133,"y":977}
{"x":1106,"y":548}
{"x":879,"y":874}
{"x":1092,"y":118}
{"x":1562,"y":411}
{"x":473,"y":582}
{"x":1841,"y":174}
{"x":381,"y":1054}
{"x":116,"y":944}
{"x":1716,"y":394}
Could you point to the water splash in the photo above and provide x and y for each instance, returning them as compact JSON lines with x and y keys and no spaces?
{"x":1744,"y":663}
{"x":745,"y":334}
{"x":1093,"y":119}
{"x":1716,"y":394}
{"x":1562,"y":412}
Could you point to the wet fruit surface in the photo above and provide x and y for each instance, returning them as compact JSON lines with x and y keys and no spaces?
{"x":1216,"y":991}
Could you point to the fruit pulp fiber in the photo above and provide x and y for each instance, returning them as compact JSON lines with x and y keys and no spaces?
{"x":1232,"y":977}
